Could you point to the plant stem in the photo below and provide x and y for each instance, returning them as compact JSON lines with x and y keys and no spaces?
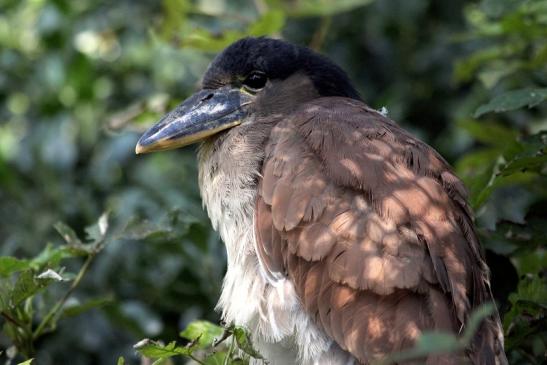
{"x":196,"y":359}
{"x":230,"y":350}
{"x":12,"y":320}
{"x":54,"y":311}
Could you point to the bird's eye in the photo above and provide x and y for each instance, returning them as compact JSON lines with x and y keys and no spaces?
{"x":255,"y":80}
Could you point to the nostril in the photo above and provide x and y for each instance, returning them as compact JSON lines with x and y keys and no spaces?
{"x":209,"y":96}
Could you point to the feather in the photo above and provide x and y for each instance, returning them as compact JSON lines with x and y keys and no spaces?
{"x":374,"y":232}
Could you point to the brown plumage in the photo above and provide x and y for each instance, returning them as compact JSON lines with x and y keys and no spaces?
{"x":346,"y":237}
{"x":373,"y":228}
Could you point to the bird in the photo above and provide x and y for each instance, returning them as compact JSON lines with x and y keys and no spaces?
{"x":346,"y":237}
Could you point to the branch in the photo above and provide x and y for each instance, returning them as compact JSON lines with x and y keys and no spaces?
{"x":54,"y":311}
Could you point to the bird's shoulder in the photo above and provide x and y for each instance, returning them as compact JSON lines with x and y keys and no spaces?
{"x":357,"y":145}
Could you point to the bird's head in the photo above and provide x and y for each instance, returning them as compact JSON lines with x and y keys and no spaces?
{"x":252,"y":79}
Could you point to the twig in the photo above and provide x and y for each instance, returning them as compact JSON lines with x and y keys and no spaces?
{"x":12,"y":320}
{"x":222,"y":338}
{"x":196,"y":359}
{"x":261,"y":6}
{"x":320,"y":34}
{"x":123,"y":118}
{"x":57,"y":307}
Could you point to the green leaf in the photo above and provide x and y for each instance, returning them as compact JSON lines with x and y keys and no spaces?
{"x":244,"y":342}
{"x":491,"y":76}
{"x":67,"y":233}
{"x":10,"y":265}
{"x":268,"y":24}
{"x":155,"y":349}
{"x":466,"y":68}
{"x":206,"y":41}
{"x":428,"y":343}
{"x":532,"y":262}
{"x":121,"y":361}
{"x":203,"y":333}
{"x":50,"y":256}
{"x":436,"y":342}
{"x":526,"y":317}
{"x":520,"y":164}
{"x":509,"y":236}
{"x":26,"y":286}
{"x":137,"y":229}
{"x":27,"y":362}
{"x":97,"y":232}
{"x":323,"y":7}
{"x":512,"y":100}
{"x":497,"y":181}
{"x":489,"y":133}
{"x":529,"y":154}
{"x":74,"y":309}
{"x":531,"y":289}
{"x":219,"y":358}
{"x":473,"y":323}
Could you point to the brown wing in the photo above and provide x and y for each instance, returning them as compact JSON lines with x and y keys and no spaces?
{"x":374,"y":230}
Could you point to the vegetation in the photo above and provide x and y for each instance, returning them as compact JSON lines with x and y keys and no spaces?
{"x":79,"y":80}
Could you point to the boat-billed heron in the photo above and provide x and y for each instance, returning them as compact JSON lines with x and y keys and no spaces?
{"x":346,"y":237}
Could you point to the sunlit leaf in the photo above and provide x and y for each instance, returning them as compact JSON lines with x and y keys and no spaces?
{"x":10,"y":265}
{"x":27,"y":362}
{"x":218,"y":358}
{"x":531,"y":262}
{"x":268,"y":24}
{"x":203,"y":333}
{"x":203,"y":39}
{"x":155,"y":349}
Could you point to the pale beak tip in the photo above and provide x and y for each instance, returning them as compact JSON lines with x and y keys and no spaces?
{"x":139,"y":149}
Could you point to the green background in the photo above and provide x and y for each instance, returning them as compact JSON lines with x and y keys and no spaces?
{"x":79,"y":80}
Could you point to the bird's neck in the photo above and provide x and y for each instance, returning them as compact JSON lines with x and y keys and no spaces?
{"x":229,"y":168}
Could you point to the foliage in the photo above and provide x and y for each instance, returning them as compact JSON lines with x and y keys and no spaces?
{"x":79,"y":80}
{"x":24,"y":288}
{"x":439,"y":342}
{"x":513,"y":156}
{"x":207,"y":345}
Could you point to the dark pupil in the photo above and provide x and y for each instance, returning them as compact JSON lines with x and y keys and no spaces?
{"x":255,"y":80}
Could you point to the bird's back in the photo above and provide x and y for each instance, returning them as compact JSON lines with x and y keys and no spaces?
{"x":374,"y":231}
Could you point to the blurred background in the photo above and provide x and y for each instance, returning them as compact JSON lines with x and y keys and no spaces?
{"x":79,"y":80}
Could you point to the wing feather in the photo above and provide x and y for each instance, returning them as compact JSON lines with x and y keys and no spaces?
{"x":374,"y":231}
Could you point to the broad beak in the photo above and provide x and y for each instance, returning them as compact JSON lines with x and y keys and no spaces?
{"x":205,"y":113}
